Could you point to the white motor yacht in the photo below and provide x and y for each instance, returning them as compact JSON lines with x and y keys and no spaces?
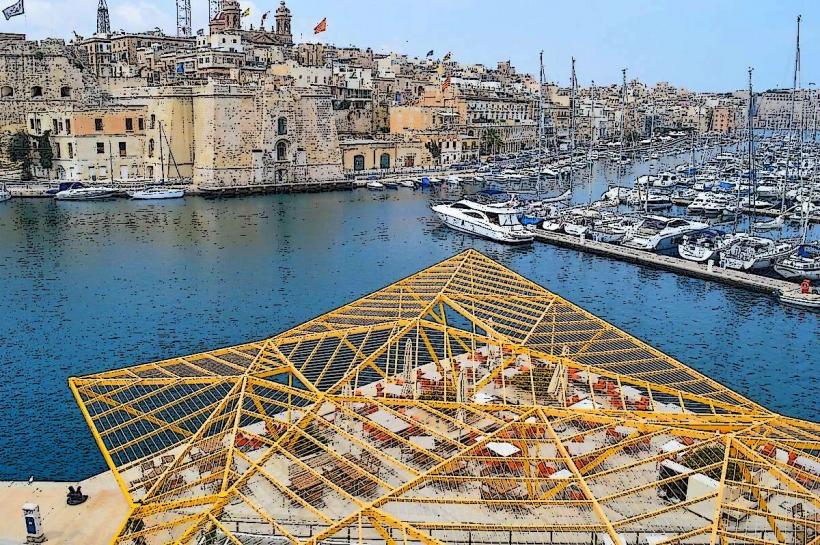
{"x":492,"y":222}
{"x":746,"y":252}
{"x":651,"y":200}
{"x":156,"y":193}
{"x":802,"y":263}
{"x":373,"y":185}
{"x":78,"y":192}
{"x":661,"y":233}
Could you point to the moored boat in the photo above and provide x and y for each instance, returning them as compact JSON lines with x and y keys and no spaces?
{"x":487,"y":221}
{"x":79,"y":192}
{"x":157,"y":193}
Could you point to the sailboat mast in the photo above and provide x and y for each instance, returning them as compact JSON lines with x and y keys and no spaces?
{"x":752,"y":177}
{"x":623,"y":118}
{"x":572,"y":124}
{"x":161,"y":156}
{"x":540,"y":120}
{"x":792,"y":126}
{"x":591,"y":138}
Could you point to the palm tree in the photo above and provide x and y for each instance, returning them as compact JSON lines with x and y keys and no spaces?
{"x":492,"y":142}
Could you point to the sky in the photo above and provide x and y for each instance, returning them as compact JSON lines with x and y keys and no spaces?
{"x":699,"y":44}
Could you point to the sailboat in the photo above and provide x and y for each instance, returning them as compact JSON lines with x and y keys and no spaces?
{"x":803,"y":262}
{"x":744,"y":251}
{"x":158,"y":192}
{"x":543,"y":171}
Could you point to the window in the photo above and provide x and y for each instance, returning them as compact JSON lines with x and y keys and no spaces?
{"x":151,"y":147}
{"x":55,"y":126}
{"x":152,"y":122}
{"x":141,"y":123}
{"x":281,"y":126}
{"x":65,"y":91}
{"x":122,"y":149}
{"x":384,"y":160}
{"x":68,"y":126}
{"x":98,"y":124}
{"x":100,"y":147}
{"x":70,"y":150}
{"x":57,"y":151}
{"x":31,"y":123}
{"x":358,"y":162}
{"x":36,"y":91}
{"x":6,"y":92}
{"x":129,"y":124}
{"x":281,"y":151}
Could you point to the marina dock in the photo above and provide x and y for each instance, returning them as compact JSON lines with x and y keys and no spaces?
{"x":753,"y":282}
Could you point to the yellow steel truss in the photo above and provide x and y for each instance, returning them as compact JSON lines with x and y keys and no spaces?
{"x":462,"y":404}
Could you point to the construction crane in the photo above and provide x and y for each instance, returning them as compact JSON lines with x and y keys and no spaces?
{"x":183,"y":17}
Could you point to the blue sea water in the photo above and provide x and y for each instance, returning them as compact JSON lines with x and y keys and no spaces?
{"x":91,"y":286}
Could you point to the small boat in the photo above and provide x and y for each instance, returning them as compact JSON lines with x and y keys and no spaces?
{"x":701,"y":246}
{"x":78,"y":192}
{"x":373,"y":185}
{"x":406,"y":183}
{"x":156,"y":193}
{"x":804,"y":296}
{"x":614,"y":231}
{"x":746,"y":252}
{"x":491,"y":222}
{"x":803,"y":262}
{"x":651,"y":200}
{"x":452,"y":179}
{"x":776,"y":223}
{"x":5,"y":194}
{"x":391,"y":184}
{"x":661,"y":233}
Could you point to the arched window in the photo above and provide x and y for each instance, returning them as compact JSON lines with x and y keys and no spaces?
{"x":65,"y":91}
{"x":384,"y":160}
{"x":281,"y":126}
{"x":358,"y":162}
{"x":6,"y":91}
{"x":282,"y":151}
{"x":151,"y":148}
{"x":36,"y":91}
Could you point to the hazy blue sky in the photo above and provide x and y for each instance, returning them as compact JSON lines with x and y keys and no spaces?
{"x":696,"y":43}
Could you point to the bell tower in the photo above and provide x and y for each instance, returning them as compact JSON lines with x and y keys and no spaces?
{"x":283,"y":32}
{"x":103,"y":22}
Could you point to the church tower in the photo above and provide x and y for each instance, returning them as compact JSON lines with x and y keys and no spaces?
{"x":283,"y":33}
{"x":103,"y":22}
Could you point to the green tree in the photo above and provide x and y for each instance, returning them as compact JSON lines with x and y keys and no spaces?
{"x":20,"y":152}
{"x":435,"y":149}
{"x":44,"y":151}
{"x":491,"y":142}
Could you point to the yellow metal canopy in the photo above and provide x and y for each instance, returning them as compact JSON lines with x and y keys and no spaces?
{"x":462,"y":404}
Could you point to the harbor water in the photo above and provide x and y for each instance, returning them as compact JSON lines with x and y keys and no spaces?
{"x":89,"y":286}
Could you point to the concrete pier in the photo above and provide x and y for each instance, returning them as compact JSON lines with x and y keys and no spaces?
{"x":94,"y":522}
{"x":750,"y":281}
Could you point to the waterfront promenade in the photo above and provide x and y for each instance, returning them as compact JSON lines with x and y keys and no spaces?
{"x":95,"y":522}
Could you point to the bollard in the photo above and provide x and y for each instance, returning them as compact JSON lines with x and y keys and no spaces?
{"x":710,"y":265}
{"x":34,"y":524}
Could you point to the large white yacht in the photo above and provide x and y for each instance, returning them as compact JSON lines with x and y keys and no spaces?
{"x":492,"y":222}
{"x":156,"y":193}
{"x":660,"y":233}
{"x":79,"y":192}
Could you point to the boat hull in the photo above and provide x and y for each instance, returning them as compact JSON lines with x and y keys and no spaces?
{"x":471,"y":228}
{"x":147,"y":196}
